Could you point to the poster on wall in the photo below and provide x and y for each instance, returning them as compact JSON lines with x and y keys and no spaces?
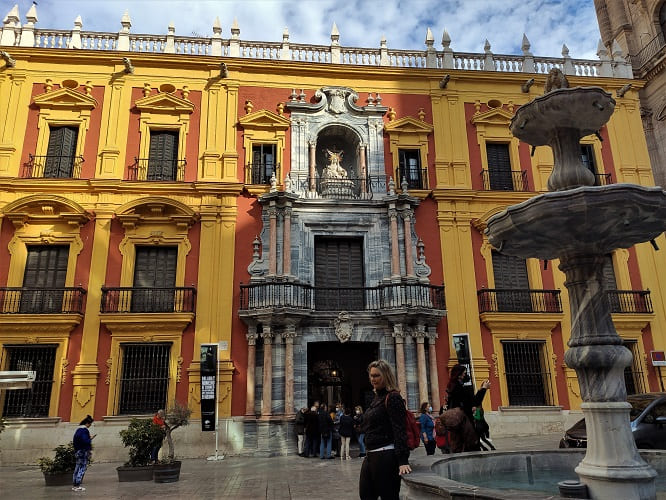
{"x":208,"y":372}
{"x":464,"y":354}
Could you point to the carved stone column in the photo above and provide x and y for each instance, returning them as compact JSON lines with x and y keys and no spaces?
{"x":289,"y":336}
{"x":268,"y":372}
{"x":420,"y":335}
{"x":251,"y":360}
{"x":409,"y":259}
{"x":312,"y":166}
{"x":399,"y":335}
{"x":434,"y":377}
{"x":286,"y":242}
{"x":272,"y":254}
{"x":277,"y":386}
{"x":363,"y":167}
{"x":395,"y":251}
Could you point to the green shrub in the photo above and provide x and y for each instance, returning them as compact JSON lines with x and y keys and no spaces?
{"x":140,"y":437}
{"x":64,"y":460}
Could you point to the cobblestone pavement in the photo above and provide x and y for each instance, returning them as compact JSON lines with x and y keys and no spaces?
{"x":276,"y":478}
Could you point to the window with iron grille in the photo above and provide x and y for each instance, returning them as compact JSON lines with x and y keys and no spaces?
{"x":154,"y":279}
{"x":44,"y":279}
{"x":145,"y":378}
{"x":32,"y":402}
{"x":61,"y":152}
{"x":527,"y":373}
{"x":633,"y":374}
{"x":499,"y":166}
{"x":163,"y":155}
{"x":263,"y":163}
{"x":410,"y":168}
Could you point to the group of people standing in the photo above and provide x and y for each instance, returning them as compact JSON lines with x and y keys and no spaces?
{"x":322,"y":432}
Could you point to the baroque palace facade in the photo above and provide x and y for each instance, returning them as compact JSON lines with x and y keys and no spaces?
{"x":302,"y":207}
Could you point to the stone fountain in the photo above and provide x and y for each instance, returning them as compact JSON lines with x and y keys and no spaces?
{"x":579,"y":223}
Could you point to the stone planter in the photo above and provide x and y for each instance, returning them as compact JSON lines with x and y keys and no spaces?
{"x":167,"y":472}
{"x":130,"y":474}
{"x":59,"y":479}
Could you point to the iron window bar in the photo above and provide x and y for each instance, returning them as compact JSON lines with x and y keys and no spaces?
{"x":300,"y":296}
{"x":52,"y":167}
{"x":629,"y":301}
{"x":416,"y":179}
{"x":519,"y":300}
{"x":148,"y":169}
{"x":33,"y":402}
{"x":527,"y":372}
{"x":148,"y":300}
{"x":261,"y":172}
{"x":144,"y":379}
{"x":64,"y":300}
{"x":504,"y":180}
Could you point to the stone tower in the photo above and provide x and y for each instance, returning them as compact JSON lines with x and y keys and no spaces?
{"x":639,"y":28}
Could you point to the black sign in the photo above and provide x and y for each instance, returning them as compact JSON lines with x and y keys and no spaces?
{"x":208,"y":368}
{"x":461,"y":345}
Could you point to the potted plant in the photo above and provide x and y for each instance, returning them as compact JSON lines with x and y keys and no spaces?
{"x":140,"y":437}
{"x":168,"y":471}
{"x":58,"y":470}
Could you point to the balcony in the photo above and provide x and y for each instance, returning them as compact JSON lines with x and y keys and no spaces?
{"x":504,"y":180}
{"x":650,"y":53}
{"x":350,"y":188}
{"x":416,"y":179}
{"x":304,"y":297}
{"x":629,"y":301}
{"x":42,"y":300}
{"x":148,"y":169}
{"x":260,"y":173}
{"x":52,"y":167}
{"x":148,"y":300}
{"x":519,"y":301}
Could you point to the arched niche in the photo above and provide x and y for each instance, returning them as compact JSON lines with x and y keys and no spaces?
{"x":339,"y":138}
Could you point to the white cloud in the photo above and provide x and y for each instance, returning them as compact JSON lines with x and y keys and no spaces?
{"x":547,"y":23}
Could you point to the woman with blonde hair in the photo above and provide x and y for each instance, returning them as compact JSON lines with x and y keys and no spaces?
{"x":387,"y":454}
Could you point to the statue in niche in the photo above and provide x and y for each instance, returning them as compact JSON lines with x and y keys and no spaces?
{"x":334,"y":169}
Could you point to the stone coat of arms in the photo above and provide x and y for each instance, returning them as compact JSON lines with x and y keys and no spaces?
{"x":343,"y":326}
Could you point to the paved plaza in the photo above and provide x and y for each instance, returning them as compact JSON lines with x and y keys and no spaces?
{"x":276,"y":478}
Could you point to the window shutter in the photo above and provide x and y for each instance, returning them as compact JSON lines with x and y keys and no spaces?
{"x":46,"y":266}
{"x":499,"y":166}
{"x":163,"y":155}
{"x":60,"y":152}
{"x":510,"y":272}
{"x":339,"y":264}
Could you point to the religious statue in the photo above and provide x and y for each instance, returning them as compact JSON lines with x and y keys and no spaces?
{"x":334,"y":170}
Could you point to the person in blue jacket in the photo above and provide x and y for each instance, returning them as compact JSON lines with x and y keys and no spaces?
{"x":427,"y":427}
{"x":83,"y":450}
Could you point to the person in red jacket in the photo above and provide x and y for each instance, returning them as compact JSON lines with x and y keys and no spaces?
{"x":387,"y":454}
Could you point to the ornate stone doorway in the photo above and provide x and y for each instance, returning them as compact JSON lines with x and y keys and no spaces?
{"x":337,"y":372}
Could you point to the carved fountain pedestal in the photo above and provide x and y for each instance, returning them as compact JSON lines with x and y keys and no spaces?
{"x":579,"y":224}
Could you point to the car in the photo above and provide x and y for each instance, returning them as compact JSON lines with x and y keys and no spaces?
{"x":648,"y":423}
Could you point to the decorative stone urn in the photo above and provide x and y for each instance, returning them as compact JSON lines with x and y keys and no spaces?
{"x":579,"y":224}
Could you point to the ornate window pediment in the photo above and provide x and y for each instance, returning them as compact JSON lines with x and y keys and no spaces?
{"x":408,"y":125}
{"x":45,"y":209}
{"x":156,"y":210}
{"x":164,"y":103}
{"x":494,"y":116}
{"x":264,"y":120}
{"x":263,"y":130}
{"x":65,"y":98}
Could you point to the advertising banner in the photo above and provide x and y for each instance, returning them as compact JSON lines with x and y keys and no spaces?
{"x":208,"y":369}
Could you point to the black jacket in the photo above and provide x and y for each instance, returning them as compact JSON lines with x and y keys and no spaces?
{"x":299,"y":422}
{"x":325,"y":423}
{"x":311,"y":424}
{"x":463,"y":397}
{"x":384,"y":424}
{"x":346,"y":426}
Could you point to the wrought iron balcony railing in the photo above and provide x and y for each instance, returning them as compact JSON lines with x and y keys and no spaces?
{"x":148,"y":300}
{"x":148,"y":169}
{"x":349,"y":188}
{"x":260,"y":173}
{"x":52,"y":167}
{"x":629,"y":301}
{"x":504,"y":180}
{"x":519,"y":300}
{"x":649,"y":52}
{"x":416,"y":179}
{"x":64,"y":300}
{"x":602,"y":179}
{"x":306,"y":297}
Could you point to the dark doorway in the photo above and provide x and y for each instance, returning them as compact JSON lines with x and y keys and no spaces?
{"x":337,"y":372}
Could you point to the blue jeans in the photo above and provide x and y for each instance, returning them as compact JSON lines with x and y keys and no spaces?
{"x":361,"y":444}
{"x":325,"y":443}
{"x":82,"y":457}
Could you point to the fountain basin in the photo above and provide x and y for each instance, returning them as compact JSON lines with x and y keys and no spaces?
{"x":585,"y":220}
{"x":503,"y":475}
{"x":585,"y":109}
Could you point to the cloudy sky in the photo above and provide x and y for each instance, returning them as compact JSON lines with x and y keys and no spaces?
{"x":547,"y":23}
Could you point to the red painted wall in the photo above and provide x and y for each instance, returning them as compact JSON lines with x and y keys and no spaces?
{"x":6,"y":234}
